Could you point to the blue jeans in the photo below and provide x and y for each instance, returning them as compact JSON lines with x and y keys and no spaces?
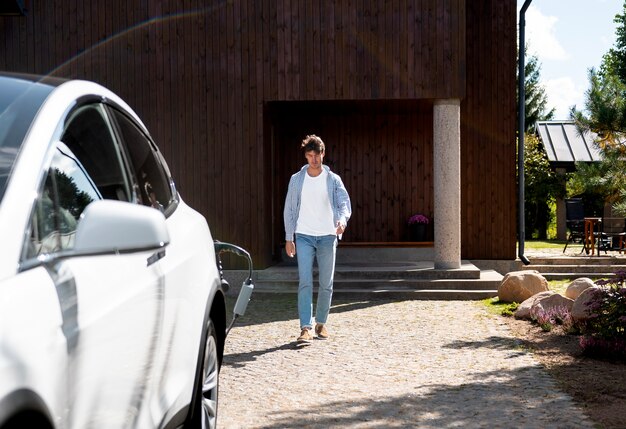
{"x":308,"y":248}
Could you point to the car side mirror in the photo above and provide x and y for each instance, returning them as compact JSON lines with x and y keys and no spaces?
{"x":108,"y":227}
{"x":115,"y":226}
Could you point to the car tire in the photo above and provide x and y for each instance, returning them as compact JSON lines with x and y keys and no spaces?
{"x":207,"y":383}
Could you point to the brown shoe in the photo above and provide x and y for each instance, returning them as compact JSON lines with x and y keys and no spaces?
{"x":305,"y":335}
{"x":321,"y":331}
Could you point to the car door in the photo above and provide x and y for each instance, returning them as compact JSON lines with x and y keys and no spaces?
{"x":113,"y":303}
{"x":188,"y":271}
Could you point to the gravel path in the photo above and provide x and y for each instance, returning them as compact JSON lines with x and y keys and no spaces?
{"x":422,"y":364}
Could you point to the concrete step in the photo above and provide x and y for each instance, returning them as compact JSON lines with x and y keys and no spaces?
{"x":572,"y":267}
{"x":420,"y":270}
{"x":573,"y":276}
{"x":394,"y":283}
{"x":584,"y":260}
{"x":580,"y":269}
{"x":383,"y":284}
{"x":422,"y":294}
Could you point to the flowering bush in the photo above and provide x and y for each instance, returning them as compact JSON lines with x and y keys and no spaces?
{"x":546,"y":319}
{"x":605,"y":331}
{"x":418,"y":218}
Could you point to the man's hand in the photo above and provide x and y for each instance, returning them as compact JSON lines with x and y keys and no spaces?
{"x":290,"y":249}
{"x":340,"y":228}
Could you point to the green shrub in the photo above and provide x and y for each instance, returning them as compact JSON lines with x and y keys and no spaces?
{"x":605,"y":331}
{"x":509,"y":309}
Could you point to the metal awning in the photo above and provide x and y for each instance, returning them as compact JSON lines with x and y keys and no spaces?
{"x":564,"y":144}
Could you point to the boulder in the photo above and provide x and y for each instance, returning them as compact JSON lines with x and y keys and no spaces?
{"x":517,"y":286}
{"x":580,"y":310}
{"x":552,"y":302}
{"x":523,"y":311}
{"x":577,"y":286}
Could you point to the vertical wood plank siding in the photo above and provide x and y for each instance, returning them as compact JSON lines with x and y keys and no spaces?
{"x":489,"y":194}
{"x":229,"y":89}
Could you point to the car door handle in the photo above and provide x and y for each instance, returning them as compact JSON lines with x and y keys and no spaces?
{"x":156,"y":256}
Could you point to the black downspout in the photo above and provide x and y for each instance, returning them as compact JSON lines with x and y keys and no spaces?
{"x":520,"y":145}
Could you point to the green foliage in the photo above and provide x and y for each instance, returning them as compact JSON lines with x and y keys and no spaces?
{"x":605,"y":104}
{"x":614,"y":61}
{"x":536,"y":99}
{"x":605,"y":101}
{"x":541,"y":186}
{"x":605,"y":331}
{"x":495,"y":306}
{"x":509,"y":309}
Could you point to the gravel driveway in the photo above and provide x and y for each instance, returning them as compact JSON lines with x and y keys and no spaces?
{"x":404,"y":364}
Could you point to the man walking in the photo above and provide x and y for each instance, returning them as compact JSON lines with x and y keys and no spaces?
{"x":317,"y":209}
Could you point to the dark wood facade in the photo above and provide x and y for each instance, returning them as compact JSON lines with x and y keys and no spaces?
{"x":228,"y":90}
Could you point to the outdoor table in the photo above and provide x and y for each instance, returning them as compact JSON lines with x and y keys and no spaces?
{"x":590,"y":241}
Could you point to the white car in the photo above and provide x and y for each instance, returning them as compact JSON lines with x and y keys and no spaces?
{"x":112,"y":305}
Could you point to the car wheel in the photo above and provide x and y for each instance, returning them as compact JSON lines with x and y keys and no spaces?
{"x":205,"y":406}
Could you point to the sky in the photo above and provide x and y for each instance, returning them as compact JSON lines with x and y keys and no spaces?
{"x":569,"y":37}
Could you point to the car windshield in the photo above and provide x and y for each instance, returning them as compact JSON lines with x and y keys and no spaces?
{"x":20,"y":100}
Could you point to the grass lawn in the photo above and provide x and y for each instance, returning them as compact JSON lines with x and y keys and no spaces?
{"x":544,"y":244}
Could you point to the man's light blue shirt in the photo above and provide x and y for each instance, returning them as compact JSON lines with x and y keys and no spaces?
{"x":337,"y":194}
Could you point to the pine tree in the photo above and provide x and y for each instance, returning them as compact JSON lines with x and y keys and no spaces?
{"x":605,"y":104}
{"x":541,"y":185}
{"x":536,"y":99}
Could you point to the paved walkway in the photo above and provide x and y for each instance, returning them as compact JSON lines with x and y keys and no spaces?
{"x":408,"y":364}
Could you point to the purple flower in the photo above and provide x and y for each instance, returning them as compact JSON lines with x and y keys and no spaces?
{"x":418,"y":218}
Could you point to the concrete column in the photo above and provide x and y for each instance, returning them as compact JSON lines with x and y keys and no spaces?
{"x":447,"y":182}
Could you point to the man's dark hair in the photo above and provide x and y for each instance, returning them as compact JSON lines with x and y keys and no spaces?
{"x":312,"y":143}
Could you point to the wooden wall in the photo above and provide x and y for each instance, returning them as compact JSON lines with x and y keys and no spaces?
{"x":207,"y":81}
{"x":381,"y":149}
{"x":488,"y":123}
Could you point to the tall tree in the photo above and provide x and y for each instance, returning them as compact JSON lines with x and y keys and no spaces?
{"x":605,"y":115}
{"x":536,"y":99}
{"x":541,"y":185}
{"x":614,"y":61}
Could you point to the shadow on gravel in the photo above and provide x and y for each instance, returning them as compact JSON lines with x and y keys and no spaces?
{"x":238,"y":360}
{"x":265,"y":307}
{"x":493,"y":342}
{"x":501,"y":402}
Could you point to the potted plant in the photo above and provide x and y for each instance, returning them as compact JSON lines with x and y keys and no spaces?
{"x":417,"y":226}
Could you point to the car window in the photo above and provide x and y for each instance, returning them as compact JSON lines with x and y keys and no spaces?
{"x":86,"y":166}
{"x":89,"y":136}
{"x":153,"y":180}
{"x":66,"y":192}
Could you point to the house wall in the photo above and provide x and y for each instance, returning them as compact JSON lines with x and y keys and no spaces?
{"x":381,"y":149}
{"x":488,"y":123}
{"x":207,"y":80}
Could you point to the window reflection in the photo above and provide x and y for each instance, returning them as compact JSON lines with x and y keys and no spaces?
{"x":58,"y":209}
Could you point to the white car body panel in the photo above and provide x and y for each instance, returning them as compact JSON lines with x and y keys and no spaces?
{"x":33,"y":349}
{"x":33,"y":158}
{"x":92,"y":335}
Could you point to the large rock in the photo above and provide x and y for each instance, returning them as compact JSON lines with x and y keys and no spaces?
{"x":549,"y":303}
{"x":523,"y":311}
{"x":580,"y":310}
{"x":577,"y":286}
{"x":517,"y":286}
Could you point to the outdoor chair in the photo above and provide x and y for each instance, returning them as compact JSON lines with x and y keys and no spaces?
{"x":613,"y":235}
{"x":575,"y":221}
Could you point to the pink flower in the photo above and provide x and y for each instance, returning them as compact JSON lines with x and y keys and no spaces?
{"x":418,"y":218}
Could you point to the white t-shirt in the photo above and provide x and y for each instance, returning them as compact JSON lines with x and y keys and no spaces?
{"x":316,"y":215}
